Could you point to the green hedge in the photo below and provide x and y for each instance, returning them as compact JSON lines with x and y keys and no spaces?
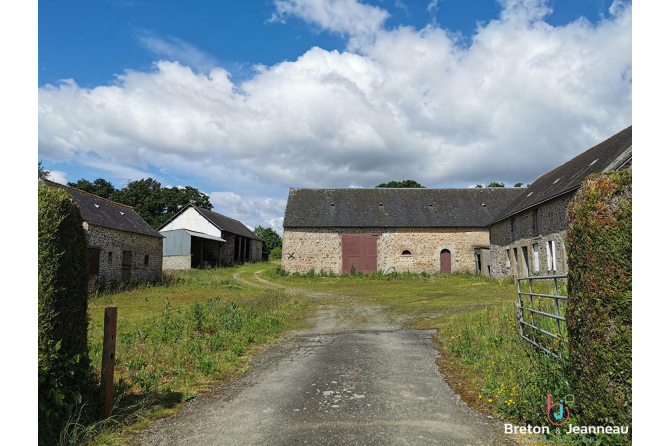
{"x":65,"y":379}
{"x":599,"y":311}
{"x":275,"y":254}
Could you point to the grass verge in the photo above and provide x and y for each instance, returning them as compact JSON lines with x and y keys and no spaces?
{"x":173,"y":342}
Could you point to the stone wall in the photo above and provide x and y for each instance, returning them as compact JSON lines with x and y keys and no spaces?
{"x":507,"y":253}
{"x":321,"y":248}
{"x":256,"y":250}
{"x":112,"y":243}
{"x":176,"y":262}
{"x":228,"y":252}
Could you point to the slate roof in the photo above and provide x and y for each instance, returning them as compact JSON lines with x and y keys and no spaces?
{"x":227,"y":224}
{"x":411,"y":208}
{"x":611,"y":154}
{"x":108,"y":214}
{"x":222,"y":222}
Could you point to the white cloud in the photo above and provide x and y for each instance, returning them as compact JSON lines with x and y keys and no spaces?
{"x":58,"y":176}
{"x":433,"y":7}
{"x":266,"y":212}
{"x":402,"y":103}
{"x":175,"y":49}
{"x":360,"y":21}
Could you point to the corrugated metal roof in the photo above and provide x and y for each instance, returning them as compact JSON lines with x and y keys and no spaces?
{"x":201,"y":235}
{"x":396,"y":208}
{"x":105,"y":213}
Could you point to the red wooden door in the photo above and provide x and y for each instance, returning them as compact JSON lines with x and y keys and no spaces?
{"x":445,"y":261}
{"x":359,"y":251}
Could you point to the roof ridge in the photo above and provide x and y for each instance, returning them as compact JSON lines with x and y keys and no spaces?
{"x":405,"y":188}
{"x":87,"y":193}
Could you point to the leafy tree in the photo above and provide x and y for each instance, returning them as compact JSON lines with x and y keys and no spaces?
{"x":275,"y":254}
{"x":402,"y":184}
{"x":518,"y":184}
{"x":269,"y":236}
{"x":154,"y":203}
{"x":495,"y":184}
{"x":176,"y":198}
{"x":100,"y":187}
{"x":145,"y":196}
{"x":41,"y":173}
{"x":479,"y":186}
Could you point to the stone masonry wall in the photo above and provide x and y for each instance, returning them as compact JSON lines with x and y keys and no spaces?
{"x":552,"y":227}
{"x":228,"y":251}
{"x":112,"y":243}
{"x":321,"y":248}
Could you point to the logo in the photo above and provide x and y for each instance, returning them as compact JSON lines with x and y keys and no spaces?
{"x":557,"y":413}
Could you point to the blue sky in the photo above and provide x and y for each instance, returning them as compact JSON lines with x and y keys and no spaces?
{"x":247,"y":99}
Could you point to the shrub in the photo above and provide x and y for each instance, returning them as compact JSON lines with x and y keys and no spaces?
{"x":275,"y":254}
{"x":65,"y":378}
{"x":599,"y":310}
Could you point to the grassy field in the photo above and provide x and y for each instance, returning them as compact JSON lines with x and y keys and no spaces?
{"x":175,"y":341}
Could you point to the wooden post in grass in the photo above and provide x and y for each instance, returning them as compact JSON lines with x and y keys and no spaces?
{"x":108,"y":353}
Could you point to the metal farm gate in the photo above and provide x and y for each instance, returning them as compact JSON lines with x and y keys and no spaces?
{"x":541,"y":313}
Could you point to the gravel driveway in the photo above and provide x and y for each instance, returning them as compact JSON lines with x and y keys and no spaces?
{"x":339,"y":383}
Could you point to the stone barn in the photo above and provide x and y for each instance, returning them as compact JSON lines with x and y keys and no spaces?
{"x":197,"y":237}
{"x":527,"y":236}
{"x":415,"y":230}
{"x":122,"y":246}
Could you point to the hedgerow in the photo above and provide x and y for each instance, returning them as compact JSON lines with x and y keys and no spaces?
{"x":599,"y":310}
{"x":65,"y":380}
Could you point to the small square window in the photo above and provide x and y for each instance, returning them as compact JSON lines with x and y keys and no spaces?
{"x":146,"y":260}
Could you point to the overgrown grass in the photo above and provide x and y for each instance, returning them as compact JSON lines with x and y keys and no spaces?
{"x":175,"y":341}
{"x":504,"y":374}
{"x":379,"y":275}
{"x":485,"y":360}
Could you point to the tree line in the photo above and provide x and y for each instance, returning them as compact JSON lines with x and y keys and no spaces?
{"x":405,"y":184}
{"x":153,"y":202}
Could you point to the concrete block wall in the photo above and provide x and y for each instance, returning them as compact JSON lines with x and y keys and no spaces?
{"x":176,"y":262}
{"x":552,"y":218}
{"x":112,"y":243}
{"x":321,"y":248}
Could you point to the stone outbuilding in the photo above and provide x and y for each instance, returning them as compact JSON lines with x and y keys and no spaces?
{"x":196,"y":237}
{"x":527,"y":237}
{"x":122,"y":246}
{"x":387,"y":229}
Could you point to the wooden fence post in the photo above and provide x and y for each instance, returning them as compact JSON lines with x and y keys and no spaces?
{"x":108,"y":356}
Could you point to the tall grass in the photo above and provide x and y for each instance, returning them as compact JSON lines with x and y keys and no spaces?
{"x":506,"y":375}
{"x":173,"y":342}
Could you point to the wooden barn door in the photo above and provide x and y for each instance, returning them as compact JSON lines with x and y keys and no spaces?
{"x":126,"y":266}
{"x":94,"y":261}
{"x":445,"y":261}
{"x":359,"y":251}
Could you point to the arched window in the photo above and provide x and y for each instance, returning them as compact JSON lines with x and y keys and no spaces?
{"x":406,"y":252}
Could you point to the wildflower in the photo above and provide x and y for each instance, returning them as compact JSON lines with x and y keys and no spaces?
{"x":480,"y":397}
{"x":490,"y":400}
